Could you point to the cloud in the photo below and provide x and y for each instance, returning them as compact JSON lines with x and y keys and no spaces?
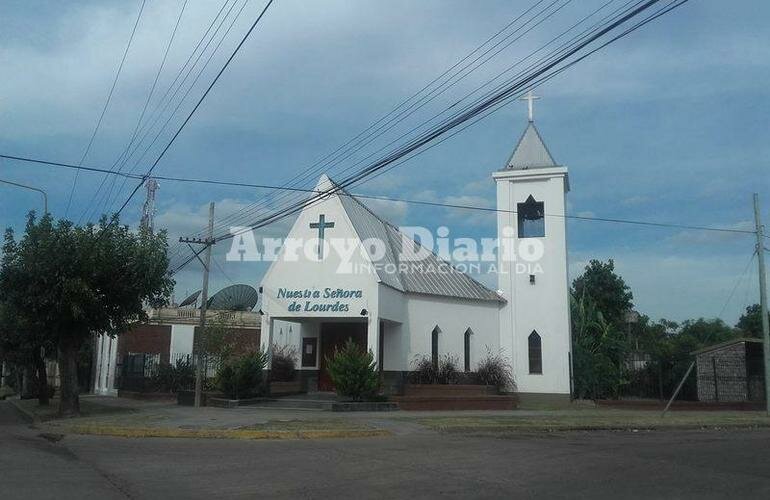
{"x":677,"y":287}
{"x":636,"y":200}
{"x":700,"y":237}
{"x":391,"y":211}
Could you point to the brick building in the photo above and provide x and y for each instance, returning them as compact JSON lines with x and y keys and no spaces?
{"x":165,"y":338}
{"x":732,"y":371}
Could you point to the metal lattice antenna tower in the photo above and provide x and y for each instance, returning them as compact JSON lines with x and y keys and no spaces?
{"x":148,"y":209}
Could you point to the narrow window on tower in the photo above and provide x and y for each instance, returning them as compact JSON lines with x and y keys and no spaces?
{"x":467,"y":352}
{"x":535,"y":354}
{"x":434,"y":347}
{"x":531,"y":218}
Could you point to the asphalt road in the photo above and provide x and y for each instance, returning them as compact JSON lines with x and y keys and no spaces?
{"x":671,"y":464}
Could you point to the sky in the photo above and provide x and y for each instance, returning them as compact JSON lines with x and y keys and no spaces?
{"x":666,"y":125}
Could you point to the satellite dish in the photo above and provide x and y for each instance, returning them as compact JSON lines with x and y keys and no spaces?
{"x":234,"y":298}
{"x":191,"y":299}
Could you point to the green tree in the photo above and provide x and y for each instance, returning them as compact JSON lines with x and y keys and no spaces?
{"x":24,"y":338}
{"x":77,"y":281}
{"x":606,"y":290}
{"x":599,"y":351}
{"x":696,"y":334}
{"x":750,"y":322}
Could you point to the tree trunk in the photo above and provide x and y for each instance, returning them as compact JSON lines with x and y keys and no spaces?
{"x":42,"y":381}
{"x":27,"y":380}
{"x":69,"y":403}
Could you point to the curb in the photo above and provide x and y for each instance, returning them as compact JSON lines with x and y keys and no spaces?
{"x":27,"y":415}
{"x":605,"y":427}
{"x":160,"y":432}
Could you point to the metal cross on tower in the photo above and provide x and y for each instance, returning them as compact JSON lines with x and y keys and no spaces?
{"x":530,"y":98}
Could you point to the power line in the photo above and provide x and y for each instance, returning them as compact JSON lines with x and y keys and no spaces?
{"x":377,"y":197}
{"x":737,"y":284}
{"x":141,"y":116}
{"x":197,"y":105}
{"x":374,"y":131}
{"x":472,"y":109}
{"x":479,"y":108}
{"x":178,"y":88}
{"x":106,"y":105}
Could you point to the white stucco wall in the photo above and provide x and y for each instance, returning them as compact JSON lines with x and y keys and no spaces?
{"x":106,"y":354}
{"x":453,"y":317}
{"x":182,"y":337}
{"x":544,"y":306}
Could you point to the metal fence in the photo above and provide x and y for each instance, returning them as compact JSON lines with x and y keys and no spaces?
{"x":647,"y":378}
{"x":148,"y":372}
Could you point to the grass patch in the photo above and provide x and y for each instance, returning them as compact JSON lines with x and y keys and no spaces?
{"x":596,"y":420}
{"x":88,"y":408}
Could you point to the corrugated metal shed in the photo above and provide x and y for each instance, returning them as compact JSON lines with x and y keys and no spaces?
{"x":430,"y":276}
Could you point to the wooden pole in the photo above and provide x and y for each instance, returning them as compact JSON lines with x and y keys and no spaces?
{"x":678,"y":388}
{"x":763,"y":298}
{"x":198,"y":356}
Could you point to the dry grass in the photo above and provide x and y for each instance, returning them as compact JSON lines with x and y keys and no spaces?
{"x":160,"y":432}
{"x":596,"y":420}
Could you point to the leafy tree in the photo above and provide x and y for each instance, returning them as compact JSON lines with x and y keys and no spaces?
{"x":353,"y":372}
{"x":599,"y":351}
{"x":696,"y":334}
{"x":24,"y":338}
{"x":77,"y":281}
{"x":750,"y":322}
{"x":606,"y":290}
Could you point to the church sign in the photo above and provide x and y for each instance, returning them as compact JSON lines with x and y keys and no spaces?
{"x":311,"y":300}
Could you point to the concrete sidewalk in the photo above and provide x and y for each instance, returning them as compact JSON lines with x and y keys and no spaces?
{"x":136,"y":418}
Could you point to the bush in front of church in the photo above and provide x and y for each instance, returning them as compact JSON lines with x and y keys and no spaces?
{"x":353,"y":372}
{"x":494,"y":369}
{"x":425,"y":371}
{"x":241,"y":377}
{"x":283,"y":365}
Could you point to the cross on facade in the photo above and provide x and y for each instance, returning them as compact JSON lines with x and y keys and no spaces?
{"x":530,"y":98}
{"x":321,"y":225}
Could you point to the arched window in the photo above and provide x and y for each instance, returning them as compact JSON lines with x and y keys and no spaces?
{"x":467,"y":350}
{"x":434,"y":346}
{"x":535,"y":353}
{"x":531,"y":217}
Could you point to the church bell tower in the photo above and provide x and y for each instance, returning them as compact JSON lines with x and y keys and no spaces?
{"x":532,"y":275}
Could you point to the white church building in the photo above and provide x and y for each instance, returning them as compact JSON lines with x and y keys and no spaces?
{"x":364,"y":280}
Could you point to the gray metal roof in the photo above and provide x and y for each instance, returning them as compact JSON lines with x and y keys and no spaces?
{"x":722,"y":345}
{"x":530,"y":152}
{"x":430,"y":276}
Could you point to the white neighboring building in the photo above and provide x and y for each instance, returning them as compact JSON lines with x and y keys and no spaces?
{"x":315,"y":304}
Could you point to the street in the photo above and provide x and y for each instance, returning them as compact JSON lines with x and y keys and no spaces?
{"x":661,"y":464}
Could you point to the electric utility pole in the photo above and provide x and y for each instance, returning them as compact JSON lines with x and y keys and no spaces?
{"x":763,"y":298}
{"x":200,"y":331}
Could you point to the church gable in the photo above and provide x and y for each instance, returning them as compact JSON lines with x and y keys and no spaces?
{"x":322,"y":247}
